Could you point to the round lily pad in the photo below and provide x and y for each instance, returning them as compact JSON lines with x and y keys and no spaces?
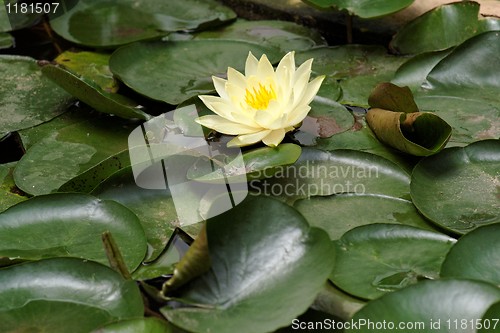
{"x":429,"y":306}
{"x":173,"y":72}
{"x":375,"y":259}
{"x":61,"y":294}
{"x":458,"y":188}
{"x":70,"y":225}
{"x":475,"y":256}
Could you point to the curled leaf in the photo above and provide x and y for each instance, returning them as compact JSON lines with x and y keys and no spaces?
{"x":397,"y":122}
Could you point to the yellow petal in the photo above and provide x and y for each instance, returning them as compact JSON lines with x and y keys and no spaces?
{"x":224,"y":126}
{"x":236,"y":78}
{"x":212,"y":103}
{"x":274,"y":138}
{"x":248,"y":139}
{"x":251,"y":65}
{"x":298,"y":114}
{"x":312,"y":89}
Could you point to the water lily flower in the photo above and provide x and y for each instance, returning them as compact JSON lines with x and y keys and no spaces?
{"x":263,"y":104}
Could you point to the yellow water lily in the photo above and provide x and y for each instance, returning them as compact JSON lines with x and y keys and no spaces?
{"x":263,"y":104}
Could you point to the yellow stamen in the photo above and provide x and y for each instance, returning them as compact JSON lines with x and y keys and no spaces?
{"x":259,"y":99}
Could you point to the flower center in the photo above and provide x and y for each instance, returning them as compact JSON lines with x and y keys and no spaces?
{"x":259,"y":98}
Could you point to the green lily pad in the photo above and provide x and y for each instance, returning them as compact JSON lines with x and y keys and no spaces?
{"x":467,"y":73}
{"x":90,"y":65}
{"x":138,"y":325}
{"x":155,"y":208}
{"x":475,"y":256}
{"x":112,"y":23}
{"x":282,"y":35}
{"x":90,"y":93}
{"x":8,"y":190}
{"x":53,"y":295}
{"x":441,"y":28}
{"x":6,"y":40}
{"x":334,"y":301}
{"x":321,"y":173}
{"x":72,"y":225}
{"x":458,"y":188}
{"x":430,"y":306}
{"x":259,"y":269}
{"x":374,"y":259}
{"x":28,"y":98}
{"x":340,"y":213}
{"x":173,"y":72}
{"x":364,"y":8}
{"x":69,"y":152}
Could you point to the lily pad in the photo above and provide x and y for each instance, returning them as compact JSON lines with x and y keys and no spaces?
{"x":321,"y":173}
{"x":173,"y":72}
{"x":441,"y":28}
{"x":66,"y":293}
{"x":475,"y":257}
{"x":364,"y":8}
{"x":69,"y":152}
{"x":490,"y":319}
{"x":282,"y":35}
{"x":253,"y":262}
{"x":374,"y":259}
{"x":458,"y":188}
{"x":440,"y":306}
{"x":28,"y":98}
{"x":90,"y":93}
{"x":72,"y":225}
{"x":340,"y":213}
{"x":112,"y":23}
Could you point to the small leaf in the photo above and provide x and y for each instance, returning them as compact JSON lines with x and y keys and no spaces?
{"x":375,"y":259}
{"x":137,"y":325}
{"x":417,"y":133}
{"x":364,"y":8}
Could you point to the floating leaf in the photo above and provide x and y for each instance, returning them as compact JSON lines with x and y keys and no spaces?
{"x":336,"y":302}
{"x":6,"y":40}
{"x":458,"y":188}
{"x":410,"y":131}
{"x":364,"y":8}
{"x":340,"y":213}
{"x":55,"y":295}
{"x":91,"y":94}
{"x":28,"y":98}
{"x":253,"y":262}
{"x":475,"y":256}
{"x":72,"y":225}
{"x":440,"y":305}
{"x":441,"y":28}
{"x":173,"y":72}
{"x":490,"y":319}
{"x":112,"y":23}
{"x":375,"y":259}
